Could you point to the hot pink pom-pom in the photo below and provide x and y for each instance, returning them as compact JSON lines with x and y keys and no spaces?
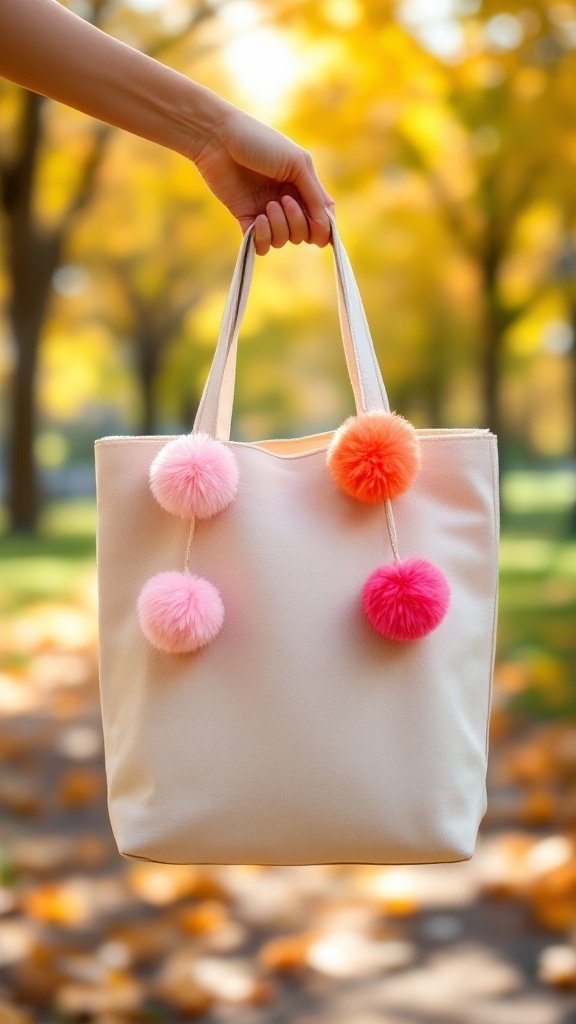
{"x":406,"y":600}
{"x":179,"y":613}
{"x":194,"y":475}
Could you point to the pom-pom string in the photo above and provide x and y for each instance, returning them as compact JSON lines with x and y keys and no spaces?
{"x":189,"y":548}
{"x":392,"y":529}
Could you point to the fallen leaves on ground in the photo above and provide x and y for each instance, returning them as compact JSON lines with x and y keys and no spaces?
{"x":87,"y":935}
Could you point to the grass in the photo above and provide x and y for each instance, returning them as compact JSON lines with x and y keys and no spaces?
{"x":50,"y":565}
{"x":537,"y":591}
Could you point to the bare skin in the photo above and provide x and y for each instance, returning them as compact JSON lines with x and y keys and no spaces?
{"x":259,"y":173}
{"x":255,"y":171}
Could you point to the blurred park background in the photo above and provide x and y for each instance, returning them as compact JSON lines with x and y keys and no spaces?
{"x":446,"y":131}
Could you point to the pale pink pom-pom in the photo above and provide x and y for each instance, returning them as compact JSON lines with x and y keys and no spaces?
{"x":194,"y":475}
{"x":406,"y":600}
{"x":179,"y":613}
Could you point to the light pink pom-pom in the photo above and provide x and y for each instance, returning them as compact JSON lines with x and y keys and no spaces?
{"x":406,"y":600}
{"x":179,"y":613}
{"x":194,"y":475}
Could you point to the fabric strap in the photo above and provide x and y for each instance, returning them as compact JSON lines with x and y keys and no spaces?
{"x":214,"y":413}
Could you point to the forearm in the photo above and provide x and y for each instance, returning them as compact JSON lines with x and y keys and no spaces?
{"x":52,"y":51}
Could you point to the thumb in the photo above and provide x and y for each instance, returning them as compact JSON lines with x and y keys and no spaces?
{"x":316,"y":199}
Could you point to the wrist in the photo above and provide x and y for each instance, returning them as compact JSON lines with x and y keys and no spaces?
{"x":202,"y":122}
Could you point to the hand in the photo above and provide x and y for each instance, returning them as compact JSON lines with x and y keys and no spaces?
{"x":260,"y":174}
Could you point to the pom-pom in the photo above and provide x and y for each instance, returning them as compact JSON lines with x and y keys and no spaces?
{"x":374,"y":456}
{"x":194,"y":475}
{"x":179,"y":613}
{"x":406,"y":600}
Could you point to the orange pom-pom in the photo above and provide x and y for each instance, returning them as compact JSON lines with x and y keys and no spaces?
{"x":374,"y":456}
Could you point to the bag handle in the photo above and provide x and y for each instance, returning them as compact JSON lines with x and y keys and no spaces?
{"x":214,"y":413}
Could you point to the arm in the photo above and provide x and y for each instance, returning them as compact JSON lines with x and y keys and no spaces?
{"x":248,"y":165}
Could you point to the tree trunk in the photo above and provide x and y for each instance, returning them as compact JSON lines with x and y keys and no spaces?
{"x":26,"y":308}
{"x":33,"y":257}
{"x":492,"y":337}
{"x":493,"y":326}
{"x":31,"y":284}
{"x":148,"y":351}
{"x":189,"y":411}
{"x":23,"y":491}
{"x":148,"y":420}
{"x":572,"y":517}
{"x":437,"y":380}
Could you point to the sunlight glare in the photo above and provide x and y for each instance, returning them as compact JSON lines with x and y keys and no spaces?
{"x":263,"y":62}
{"x":342,"y":14}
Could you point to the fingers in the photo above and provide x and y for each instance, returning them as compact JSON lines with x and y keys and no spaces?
{"x":271,"y":229}
{"x":282,"y":222}
{"x":316,"y":199}
{"x":278,"y":223}
{"x":262,"y":234}
{"x":285,"y":221}
{"x":297,"y":223}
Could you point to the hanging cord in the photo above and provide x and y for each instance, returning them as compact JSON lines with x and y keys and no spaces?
{"x":189,"y":548}
{"x":389,"y":521}
{"x":392,"y":529}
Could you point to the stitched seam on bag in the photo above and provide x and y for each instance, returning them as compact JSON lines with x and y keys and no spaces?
{"x":229,"y":319}
{"x":338,"y":250}
{"x":495,"y":612}
{"x":235,"y":329}
{"x":281,"y":864}
{"x":377,"y":372}
{"x":275,"y":455}
{"x":251,"y":444}
{"x":254,"y":448}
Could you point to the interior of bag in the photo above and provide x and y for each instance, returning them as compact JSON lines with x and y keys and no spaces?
{"x":296,"y":445}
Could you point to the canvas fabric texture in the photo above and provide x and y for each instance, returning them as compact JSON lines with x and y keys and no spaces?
{"x":299,"y":735}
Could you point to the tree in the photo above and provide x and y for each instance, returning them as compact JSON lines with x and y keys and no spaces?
{"x":35,"y":248}
{"x":487,"y":132}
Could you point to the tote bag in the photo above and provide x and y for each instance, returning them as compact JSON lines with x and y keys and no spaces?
{"x":300,"y":733}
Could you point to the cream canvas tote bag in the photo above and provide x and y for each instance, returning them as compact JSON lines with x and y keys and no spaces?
{"x":298,"y":734}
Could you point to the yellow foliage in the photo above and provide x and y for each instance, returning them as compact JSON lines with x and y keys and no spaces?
{"x":72,"y":369}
